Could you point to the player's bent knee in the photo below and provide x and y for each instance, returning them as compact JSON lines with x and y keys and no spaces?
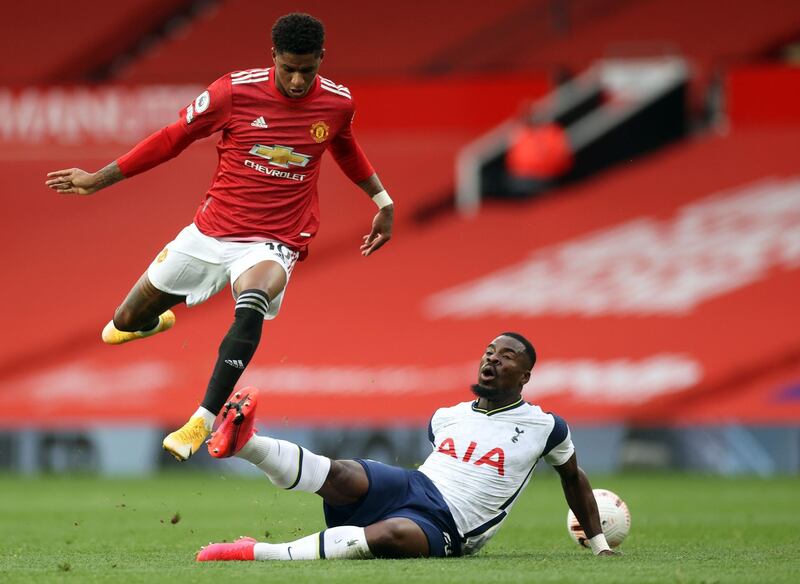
{"x":338,"y":473}
{"x":346,"y":483}
{"x":397,"y":538}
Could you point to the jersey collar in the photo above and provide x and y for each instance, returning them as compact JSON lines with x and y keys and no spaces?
{"x":517,"y":404}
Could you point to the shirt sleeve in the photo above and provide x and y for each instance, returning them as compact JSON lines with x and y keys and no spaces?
{"x":157,"y":148}
{"x":559,"y":447}
{"x":348,"y":154}
{"x":433,"y":427}
{"x":209,"y":112}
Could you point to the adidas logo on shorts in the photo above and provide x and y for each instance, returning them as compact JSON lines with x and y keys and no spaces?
{"x":235,"y":363}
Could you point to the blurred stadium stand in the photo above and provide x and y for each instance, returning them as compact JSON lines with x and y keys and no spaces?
{"x":661,"y":293}
{"x":71,"y":42}
{"x":357,"y":32}
{"x":618,"y":110}
{"x":709,"y":32}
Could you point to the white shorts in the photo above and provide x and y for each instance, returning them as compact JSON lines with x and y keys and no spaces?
{"x":198,"y":266}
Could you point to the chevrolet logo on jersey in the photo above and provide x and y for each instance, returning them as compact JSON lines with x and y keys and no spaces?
{"x":281,"y":156}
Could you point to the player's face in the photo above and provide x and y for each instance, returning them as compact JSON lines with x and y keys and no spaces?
{"x":504,"y":365}
{"x":294,"y":74}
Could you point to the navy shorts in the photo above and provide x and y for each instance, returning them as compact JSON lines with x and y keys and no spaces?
{"x":397,"y":492}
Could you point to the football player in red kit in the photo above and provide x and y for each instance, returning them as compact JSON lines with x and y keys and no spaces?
{"x":261,"y":211}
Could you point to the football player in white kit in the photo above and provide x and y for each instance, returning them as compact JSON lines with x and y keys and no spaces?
{"x":484,"y":453}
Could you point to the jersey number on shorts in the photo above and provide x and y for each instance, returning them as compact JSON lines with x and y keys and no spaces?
{"x":287,"y":254}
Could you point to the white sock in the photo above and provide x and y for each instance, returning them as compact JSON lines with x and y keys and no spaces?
{"x":287,"y":465}
{"x":342,"y":543}
{"x":208,"y":417}
{"x":345,"y":543}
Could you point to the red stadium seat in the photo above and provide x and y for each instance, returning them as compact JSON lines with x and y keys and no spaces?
{"x":62,"y":42}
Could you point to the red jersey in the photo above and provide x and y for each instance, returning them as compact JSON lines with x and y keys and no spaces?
{"x":265,"y":185}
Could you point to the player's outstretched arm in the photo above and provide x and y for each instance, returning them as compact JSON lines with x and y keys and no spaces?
{"x":156,"y":149}
{"x":74,"y":181}
{"x":383,"y":221}
{"x":579,"y":496}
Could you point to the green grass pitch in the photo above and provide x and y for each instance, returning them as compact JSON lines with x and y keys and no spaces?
{"x":684,"y":529}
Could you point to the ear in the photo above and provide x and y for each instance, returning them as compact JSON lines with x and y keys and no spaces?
{"x":526,"y":377}
{"x":322,"y":54}
{"x":274,"y":54}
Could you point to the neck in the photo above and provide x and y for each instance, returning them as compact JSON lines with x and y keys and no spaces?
{"x":499,"y":401}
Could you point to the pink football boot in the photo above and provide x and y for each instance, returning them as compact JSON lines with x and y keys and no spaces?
{"x":240,"y":550}
{"x":236,"y":428}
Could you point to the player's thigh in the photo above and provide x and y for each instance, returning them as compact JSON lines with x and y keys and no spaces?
{"x":398,"y":537}
{"x":267,"y":275}
{"x":264,"y":266}
{"x":143,"y":304}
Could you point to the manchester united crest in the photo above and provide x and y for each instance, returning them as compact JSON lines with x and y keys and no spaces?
{"x":319,"y":131}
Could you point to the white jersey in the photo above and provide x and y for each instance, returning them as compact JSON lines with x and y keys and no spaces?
{"x":482,"y":460}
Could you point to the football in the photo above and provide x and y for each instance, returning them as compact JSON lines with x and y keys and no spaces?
{"x":615,"y":519}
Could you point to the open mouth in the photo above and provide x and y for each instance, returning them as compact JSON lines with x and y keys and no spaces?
{"x":487,"y":373}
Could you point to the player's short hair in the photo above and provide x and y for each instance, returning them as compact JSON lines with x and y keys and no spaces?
{"x":529,"y":350}
{"x":298,"y":33}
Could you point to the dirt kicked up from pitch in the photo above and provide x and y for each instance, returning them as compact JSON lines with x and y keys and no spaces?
{"x":685,"y":529}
